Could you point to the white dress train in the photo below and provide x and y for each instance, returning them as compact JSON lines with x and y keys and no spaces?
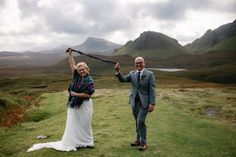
{"x":78,"y":131}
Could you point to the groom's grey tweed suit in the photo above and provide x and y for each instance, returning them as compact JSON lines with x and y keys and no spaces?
{"x":142,"y":94}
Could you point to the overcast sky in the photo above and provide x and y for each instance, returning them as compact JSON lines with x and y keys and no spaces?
{"x":43,"y":24}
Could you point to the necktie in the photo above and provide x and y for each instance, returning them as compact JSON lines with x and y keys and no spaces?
{"x":138,"y":77}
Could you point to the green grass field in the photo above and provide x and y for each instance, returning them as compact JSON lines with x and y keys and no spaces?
{"x":180,"y":126}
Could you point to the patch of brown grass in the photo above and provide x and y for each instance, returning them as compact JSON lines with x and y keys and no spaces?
{"x":13,"y":116}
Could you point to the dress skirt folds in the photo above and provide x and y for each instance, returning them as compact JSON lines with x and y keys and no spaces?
{"x":78,"y":131}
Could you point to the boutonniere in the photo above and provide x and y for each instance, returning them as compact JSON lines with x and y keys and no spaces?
{"x":143,"y":77}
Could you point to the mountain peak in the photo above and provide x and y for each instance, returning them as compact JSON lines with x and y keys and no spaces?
{"x":97,"y":45}
{"x":153,"y":40}
{"x":151,"y":43}
{"x":94,"y":39}
{"x":99,"y":42}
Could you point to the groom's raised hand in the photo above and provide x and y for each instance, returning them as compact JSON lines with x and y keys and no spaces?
{"x":117,"y":67}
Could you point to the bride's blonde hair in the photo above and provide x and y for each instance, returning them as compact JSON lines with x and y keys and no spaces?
{"x":82,"y":64}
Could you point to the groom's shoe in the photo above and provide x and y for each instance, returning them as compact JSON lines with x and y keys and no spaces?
{"x":142,"y":147}
{"x":135,"y":143}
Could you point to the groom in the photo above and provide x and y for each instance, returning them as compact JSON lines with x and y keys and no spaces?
{"x":142,"y":98}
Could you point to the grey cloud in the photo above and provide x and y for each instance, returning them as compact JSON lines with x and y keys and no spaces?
{"x":168,"y":11}
{"x":173,"y":10}
{"x":104,"y":15}
{"x":231,"y":8}
{"x":2,"y":3}
{"x":28,"y":8}
{"x":54,"y":17}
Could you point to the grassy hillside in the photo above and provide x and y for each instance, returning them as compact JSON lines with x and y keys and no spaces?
{"x":203,"y":43}
{"x":215,"y":66}
{"x":222,"y":38}
{"x":225,"y":74}
{"x":227,"y":45}
{"x":175,"y":128}
{"x":19,"y":93}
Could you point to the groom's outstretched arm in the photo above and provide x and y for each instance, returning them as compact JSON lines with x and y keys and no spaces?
{"x":119,"y":75}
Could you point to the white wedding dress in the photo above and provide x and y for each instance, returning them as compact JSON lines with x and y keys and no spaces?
{"x":78,"y":131}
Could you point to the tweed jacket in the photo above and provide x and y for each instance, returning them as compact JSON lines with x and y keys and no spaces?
{"x":145,"y":89}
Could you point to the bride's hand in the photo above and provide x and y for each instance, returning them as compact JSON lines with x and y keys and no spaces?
{"x":69,"y":51}
{"x":74,"y":93}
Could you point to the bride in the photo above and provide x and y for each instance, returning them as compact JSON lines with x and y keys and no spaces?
{"x":78,"y":132}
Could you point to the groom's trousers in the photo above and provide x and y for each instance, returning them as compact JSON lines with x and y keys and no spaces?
{"x":140,"y":114}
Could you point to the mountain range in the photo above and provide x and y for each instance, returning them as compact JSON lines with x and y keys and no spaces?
{"x":213,"y":53}
{"x":50,"y":57}
{"x":156,"y":44}
{"x":148,"y":44}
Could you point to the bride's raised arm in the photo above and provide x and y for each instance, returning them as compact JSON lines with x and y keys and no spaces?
{"x":71,"y":61}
